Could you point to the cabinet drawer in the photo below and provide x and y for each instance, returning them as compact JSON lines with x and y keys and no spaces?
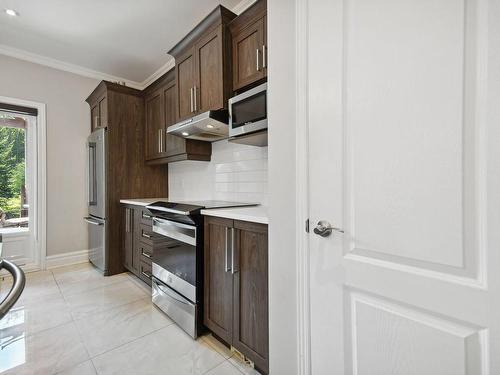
{"x":146,"y":218}
{"x":146,"y":252}
{"x":147,"y":235}
{"x":145,"y":272}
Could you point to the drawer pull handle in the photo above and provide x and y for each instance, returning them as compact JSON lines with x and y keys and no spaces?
{"x":146,"y":254}
{"x":146,"y":235}
{"x":146,"y":274}
{"x":146,"y":216}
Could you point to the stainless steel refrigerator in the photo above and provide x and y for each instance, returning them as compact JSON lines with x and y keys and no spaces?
{"x":96,"y":219}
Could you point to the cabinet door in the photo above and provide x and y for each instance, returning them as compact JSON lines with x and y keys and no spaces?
{"x":185,"y":70}
{"x":94,"y":117}
{"x":154,"y":125}
{"x":136,"y":252}
{"x":103,"y":112}
{"x":248,"y":54}
{"x":173,"y":145}
{"x":129,"y":238}
{"x":250,"y":327}
{"x":218,"y":304}
{"x":209,"y":90}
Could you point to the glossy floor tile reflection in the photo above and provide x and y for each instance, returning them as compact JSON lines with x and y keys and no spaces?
{"x":72,"y":320}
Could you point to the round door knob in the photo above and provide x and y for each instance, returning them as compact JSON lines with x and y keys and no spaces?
{"x":324,"y":229}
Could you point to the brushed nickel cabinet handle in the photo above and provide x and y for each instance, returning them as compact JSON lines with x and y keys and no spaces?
{"x":195,"y":99}
{"x":257,"y":59}
{"x":146,"y":254}
{"x":227,"y":268}
{"x":147,"y":274}
{"x":192,"y":103}
{"x":233,"y":268}
{"x":264,"y":58}
{"x":159,"y":140}
{"x":146,"y":235}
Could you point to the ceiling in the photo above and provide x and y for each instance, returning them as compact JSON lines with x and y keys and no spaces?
{"x":122,"y":38}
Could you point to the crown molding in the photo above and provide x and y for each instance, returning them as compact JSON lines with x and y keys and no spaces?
{"x":64,"y":66}
{"x":242,"y":6}
{"x":80,"y":70}
{"x":153,"y":77}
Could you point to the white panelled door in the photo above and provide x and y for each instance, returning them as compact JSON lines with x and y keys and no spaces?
{"x":404,"y":157}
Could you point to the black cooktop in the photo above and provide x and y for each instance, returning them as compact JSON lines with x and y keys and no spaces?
{"x":193,"y":207}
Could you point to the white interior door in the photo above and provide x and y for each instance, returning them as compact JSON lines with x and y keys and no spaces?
{"x":404,"y":157}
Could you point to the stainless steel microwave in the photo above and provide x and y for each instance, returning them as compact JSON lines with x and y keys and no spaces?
{"x":248,"y":111}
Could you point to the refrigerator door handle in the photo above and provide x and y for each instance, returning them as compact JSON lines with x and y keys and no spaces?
{"x":92,"y":221}
{"x":92,"y":174}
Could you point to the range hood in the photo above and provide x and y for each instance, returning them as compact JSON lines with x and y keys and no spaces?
{"x":209,"y":126}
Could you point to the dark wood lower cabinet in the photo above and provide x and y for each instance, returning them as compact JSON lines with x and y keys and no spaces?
{"x":139,"y":242}
{"x":218,"y":305}
{"x":236,"y":286}
{"x":128,"y":243}
{"x":250,"y":292}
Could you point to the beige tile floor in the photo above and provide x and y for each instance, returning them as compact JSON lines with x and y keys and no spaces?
{"x":72,"y":320}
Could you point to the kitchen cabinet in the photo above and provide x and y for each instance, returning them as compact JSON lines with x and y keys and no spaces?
{"x":160,"y":106}
{"x":132,"y":242}
{"x":186,"y":83}
{"x":120,"y":109}
{"x":249,"y":46}
{"x":203,"y":66}
{"x":128,"y":243}
{"x":236,"y":286}
{"x":99,"y":112}
{"x":140,"y":242}
{"x":155,"y":127}
{"x":218,"y":305}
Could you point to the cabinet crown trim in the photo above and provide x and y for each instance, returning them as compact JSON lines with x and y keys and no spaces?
{"x":220,"y":15}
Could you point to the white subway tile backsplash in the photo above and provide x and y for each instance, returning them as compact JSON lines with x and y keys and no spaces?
{"x":236,"y":173}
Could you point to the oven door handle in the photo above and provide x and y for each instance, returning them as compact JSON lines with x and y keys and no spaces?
{"x":171,"y":295}
{"x":173,"y":223}
{"x":176,"y":231}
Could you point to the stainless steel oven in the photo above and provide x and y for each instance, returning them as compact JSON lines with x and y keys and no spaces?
{"x":248,"y":111}
{"x":177,"y":266}
{"x":175,"y":272}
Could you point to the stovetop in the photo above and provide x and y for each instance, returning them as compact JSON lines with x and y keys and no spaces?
{"x":193,"y":207}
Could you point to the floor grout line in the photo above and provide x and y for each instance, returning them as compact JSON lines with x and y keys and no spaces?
{"x":143,"y":297}
{"x":129,"y":342}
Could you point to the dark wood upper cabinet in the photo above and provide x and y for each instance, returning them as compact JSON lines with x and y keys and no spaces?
{"x":249,"y":46}
{"x":154,"y":125}
{"x":99,"y":112}
{"x":173,"y":145}
{"x":186,"y":82}
{"x":236,"y":286}
{"x":209,"y":90}
{"x":203,"y":66}
{"x":160,"y":101}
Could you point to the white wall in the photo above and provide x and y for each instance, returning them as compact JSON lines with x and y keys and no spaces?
{"x":235,"y":173}
{"x":283,"y":352}
{"x":68,"y":119}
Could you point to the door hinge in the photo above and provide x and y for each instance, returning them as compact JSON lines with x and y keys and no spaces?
{"x":307,"y":226}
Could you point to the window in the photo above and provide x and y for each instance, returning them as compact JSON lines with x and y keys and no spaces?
{"x":14,"y":205}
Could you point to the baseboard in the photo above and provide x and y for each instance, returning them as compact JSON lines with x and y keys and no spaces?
{"x":67,"y":259}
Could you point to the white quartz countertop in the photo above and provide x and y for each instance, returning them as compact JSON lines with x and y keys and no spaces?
{"x":254,"y":214}
{"x":142,"y":201}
